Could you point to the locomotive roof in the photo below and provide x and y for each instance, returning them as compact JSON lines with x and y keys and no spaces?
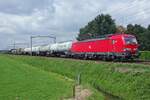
{"x":103,"y":37}
{"x":65,"y":41}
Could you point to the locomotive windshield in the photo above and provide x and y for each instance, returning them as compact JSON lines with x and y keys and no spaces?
{"x":130,"y":40}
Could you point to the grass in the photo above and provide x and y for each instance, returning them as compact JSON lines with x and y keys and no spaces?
{"x":22,"y":81}
{"x":145,"y":55}
{"x":127,"y":81}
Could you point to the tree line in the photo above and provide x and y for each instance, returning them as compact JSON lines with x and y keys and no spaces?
{"x":104,"y":24}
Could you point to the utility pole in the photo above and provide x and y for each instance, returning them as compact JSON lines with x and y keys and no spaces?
{"x":14,"y":45}
{"x":32,"y":37}
{"x":31,"y":45}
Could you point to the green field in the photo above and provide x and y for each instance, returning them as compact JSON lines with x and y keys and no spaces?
{"x":22,"y":81}
{"x":34,"y":77}
{"x":145,"y":55}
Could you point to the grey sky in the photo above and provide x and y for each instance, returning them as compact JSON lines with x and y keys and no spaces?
{"x":19,"y":19}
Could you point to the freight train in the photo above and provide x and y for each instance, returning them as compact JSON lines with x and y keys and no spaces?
{"x":109,"y":47}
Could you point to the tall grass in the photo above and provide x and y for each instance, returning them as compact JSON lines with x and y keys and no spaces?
{"x":145,"y":55}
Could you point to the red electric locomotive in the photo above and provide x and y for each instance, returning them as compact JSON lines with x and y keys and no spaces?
{"x":115,"y":46}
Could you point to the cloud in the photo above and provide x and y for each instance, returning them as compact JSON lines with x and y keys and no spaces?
{"x":19,"y":19}
{"x":23,"y":6}
{"x":130,"y":11}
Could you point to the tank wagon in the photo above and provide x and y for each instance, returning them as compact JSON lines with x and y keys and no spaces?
{"x":110,"y":47}
{"x":44,"y":50}
{"x":17,"y":51}
{"x":61,"y":48}
{"x":27,"y":51}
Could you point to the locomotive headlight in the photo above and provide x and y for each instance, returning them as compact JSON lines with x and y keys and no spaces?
{"x":135,"y":49}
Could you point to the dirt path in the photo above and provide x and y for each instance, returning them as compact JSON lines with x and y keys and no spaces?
{"x":80,"y":93}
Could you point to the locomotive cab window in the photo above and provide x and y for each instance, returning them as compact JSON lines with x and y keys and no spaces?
{"x":130,"y":40}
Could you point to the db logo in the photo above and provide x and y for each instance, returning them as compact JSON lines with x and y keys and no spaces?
{"x":89,"y":47}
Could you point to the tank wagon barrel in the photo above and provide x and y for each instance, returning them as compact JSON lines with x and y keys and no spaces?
{"x":44,"y":50}
{"x":61,"y":48}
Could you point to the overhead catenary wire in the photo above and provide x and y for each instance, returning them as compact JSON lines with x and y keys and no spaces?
{"x":125,"y":18}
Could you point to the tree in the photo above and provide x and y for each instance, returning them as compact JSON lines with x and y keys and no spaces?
{"x":130,"y":29}
{"x":120,"y":29}
{"x":147,"y":36}
{"x":142,"y":34}
{"x":148,"y":28}
{"x":101,"y":25}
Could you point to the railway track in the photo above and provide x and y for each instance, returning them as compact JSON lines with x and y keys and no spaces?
{"x":139,"y":61}
{"x":136,"y":61}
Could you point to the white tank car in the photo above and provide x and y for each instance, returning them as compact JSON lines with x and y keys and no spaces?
{"x":53,"y":47}
{"x":19,"y":51}
{"x":35,"y":49}
{"x":13,"y":51}
{"x":61,"y":47}
{"x":44,"y":48}
{"x":27,"y":50}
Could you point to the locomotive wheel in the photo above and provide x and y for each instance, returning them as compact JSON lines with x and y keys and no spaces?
{"x":104,"y":58}
{"x":85,"y":57}
{"x":113,"y":58}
